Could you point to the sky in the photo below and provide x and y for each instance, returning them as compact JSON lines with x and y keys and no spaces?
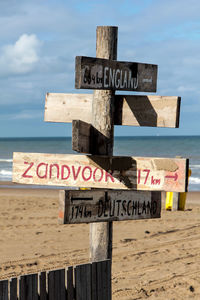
{"x":39,"y":41}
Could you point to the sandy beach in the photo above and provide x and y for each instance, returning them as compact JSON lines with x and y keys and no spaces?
{"x":154,"y":259}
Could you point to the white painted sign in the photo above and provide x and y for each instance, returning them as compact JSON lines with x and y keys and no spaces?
{"x":116,"y":172}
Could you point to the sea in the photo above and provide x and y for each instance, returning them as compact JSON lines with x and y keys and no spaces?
{"x":144,"y":146}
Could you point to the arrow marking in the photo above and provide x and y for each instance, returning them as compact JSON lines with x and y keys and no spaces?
{"x":81,"y":198}
{"x":175,"y":177}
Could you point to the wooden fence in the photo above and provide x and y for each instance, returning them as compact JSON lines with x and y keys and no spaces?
{"x":83,"y":282}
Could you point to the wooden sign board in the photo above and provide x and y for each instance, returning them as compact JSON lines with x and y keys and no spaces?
{"x":132,"y":110}
{"x":100,"y":206}
{"x":105,"y":74}
{"x":112,"y":172}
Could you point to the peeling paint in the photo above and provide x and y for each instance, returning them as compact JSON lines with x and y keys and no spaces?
{"x":166,"y":165}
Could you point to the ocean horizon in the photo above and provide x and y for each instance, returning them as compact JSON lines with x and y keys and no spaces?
{"x":143,"y":146}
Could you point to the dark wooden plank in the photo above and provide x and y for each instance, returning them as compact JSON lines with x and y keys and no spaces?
{"x":4,"y":289}
{"x":56,"y":285}
{"x":99,"y":281}
{"x":109,"y":279}
{"x":86,"y":138}
{"x":13,"y":289}
{"x":77,"y":275}
{"x":83,"y":279}
{"x":88,"y":273}
{"x":28,"y":287}
{"x":70,"y":284}
{"x":104,"y":280}
{"x":61,"y":284}
{"x":94,"y":281}
{"x":111,"y":172}
{"x":99,"y":206}
{"x":43,"y":286}
{"x":130,"y":110}
{"x":82,"y":138}
{"x":105,"y":74}
{"x":51,"y":286}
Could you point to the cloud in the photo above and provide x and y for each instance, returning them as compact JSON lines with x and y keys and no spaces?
{"x":21,"y":57}
{"x":30,"y":68}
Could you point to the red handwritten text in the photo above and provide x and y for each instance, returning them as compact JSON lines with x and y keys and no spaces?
{"x":44,"y":170}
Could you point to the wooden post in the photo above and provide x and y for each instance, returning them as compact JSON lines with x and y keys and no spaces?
{"x":103,"y":121}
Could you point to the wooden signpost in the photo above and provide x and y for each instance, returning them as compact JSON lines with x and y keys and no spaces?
{"x":111,"y":172}
{"x":101,"y":205}
{"x":107,"y":74}
{"x":118,"y":179}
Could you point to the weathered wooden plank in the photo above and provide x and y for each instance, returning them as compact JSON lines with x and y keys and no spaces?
{"x":104,"y":280}
{"x":4,"y":290}
{"x":109,"y":279}
{"x":131,"y":110}
{"x":82,"y":137}
{"x":106,"y":74}
{"x":28,"y":287}
{"x":86,"y":138}
{"x":83,"y":279}
{"x":56,"y":285}
{"x":70,"y":286}
{"x":101,"y":280}
{"x":43,"y":286}
{"x":112,"y":172}
{"x":67,"y":107}
{"x":150,"y":111}
{"x":100,"y":206}
{"x":13,"y":289}
{"x":94,"y":281}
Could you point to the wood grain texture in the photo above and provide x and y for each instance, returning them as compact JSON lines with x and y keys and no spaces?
{"x":82,"y":137}
{"x":70,"y":286}
{"x":115,"y":172}
{"x":93,"y":279}
{"x":131,"y":110}
{"x":28,"y":287}
{"x":64,"y":107}
{"x":13,"y":289}
{"x":43,"y":286}
{"x":106,"y":74}
{"x":103,"y":122}
{"x":104,"y":280}
{"x":56,"y":285}
{"x":4,"y":290}
{"x":150,"y":111}
{"x":83,"y":281}
{"x":100,"y":206}
{"x":85,"y":138}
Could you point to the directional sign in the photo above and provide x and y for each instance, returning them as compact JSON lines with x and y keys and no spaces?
{"x":132,"y":110}
{"x":101,"y":206}
{"x":113,"y":172}
{"x":105,"y":74}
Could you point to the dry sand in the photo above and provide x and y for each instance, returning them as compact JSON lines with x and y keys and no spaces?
{"x":154,"y":259}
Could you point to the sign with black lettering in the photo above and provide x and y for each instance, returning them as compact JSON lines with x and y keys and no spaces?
{"x":100,"y":206}
{"x":105,"y":74}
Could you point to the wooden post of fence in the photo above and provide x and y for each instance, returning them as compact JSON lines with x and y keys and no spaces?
{"x":102,"y":120}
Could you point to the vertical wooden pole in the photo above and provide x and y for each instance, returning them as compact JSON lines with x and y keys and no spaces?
{"x":102,"y":120}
